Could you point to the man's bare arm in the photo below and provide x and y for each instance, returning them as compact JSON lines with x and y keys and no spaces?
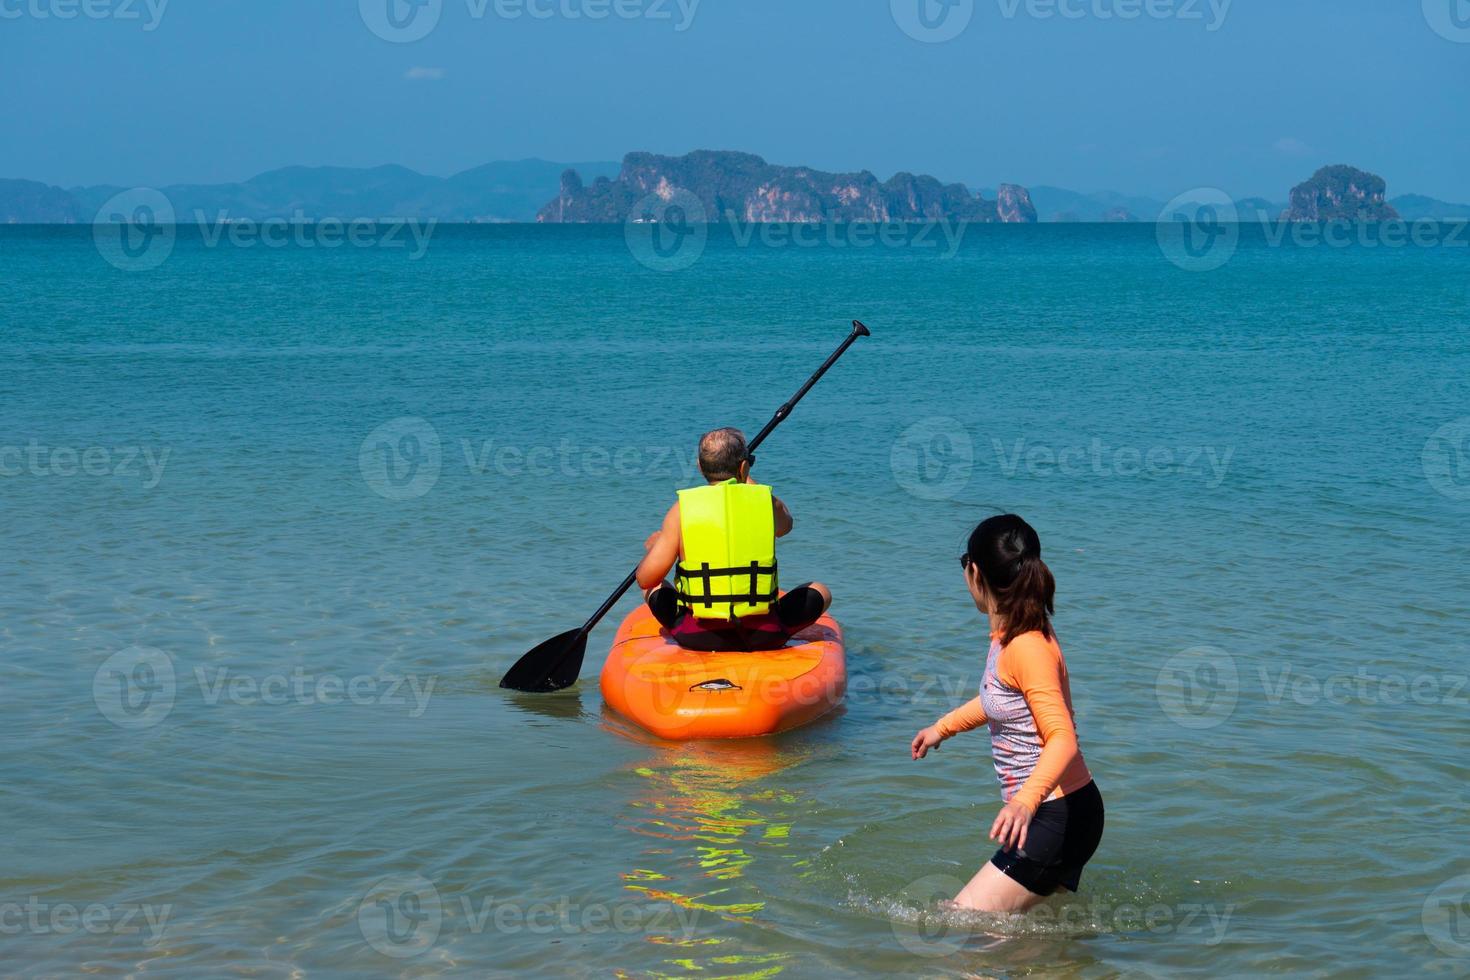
{"x":663,"y":550}
{"x":783,"y":517}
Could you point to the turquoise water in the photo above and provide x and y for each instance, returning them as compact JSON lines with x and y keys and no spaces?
{"x":277,"y":519}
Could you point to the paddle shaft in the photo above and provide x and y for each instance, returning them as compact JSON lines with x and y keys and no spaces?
{"x":858,"y":330}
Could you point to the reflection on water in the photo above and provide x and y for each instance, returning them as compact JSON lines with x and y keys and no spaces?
{"x":712,"y":811}
{"x":561,"y":706}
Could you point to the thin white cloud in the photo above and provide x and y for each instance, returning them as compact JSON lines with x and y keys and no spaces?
{"x":1292,"y":146}
{"x":424,"y":74}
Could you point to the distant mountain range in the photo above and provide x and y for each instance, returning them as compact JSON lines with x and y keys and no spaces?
{"x":1416,"y":207}
{"x":507,"y":191}
{"x":729,"y":185}
{"x":516,"y":190}
{"x":1059,"y":204}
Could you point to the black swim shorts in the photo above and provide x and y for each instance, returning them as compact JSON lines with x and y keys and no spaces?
{"x":1062,"y":838}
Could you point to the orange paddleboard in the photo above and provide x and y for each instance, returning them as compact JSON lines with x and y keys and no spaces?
{"x":683,"y":694}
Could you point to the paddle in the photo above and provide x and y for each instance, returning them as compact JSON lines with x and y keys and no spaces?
{"x":556,"y":663}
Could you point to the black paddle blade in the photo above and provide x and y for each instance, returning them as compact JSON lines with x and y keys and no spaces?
{"x":551,"y":666}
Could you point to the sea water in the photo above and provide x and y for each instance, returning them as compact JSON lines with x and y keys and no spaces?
{"x":279,"y":512}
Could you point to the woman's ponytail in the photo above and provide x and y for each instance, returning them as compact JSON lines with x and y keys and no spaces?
{"x":1008,"y":553}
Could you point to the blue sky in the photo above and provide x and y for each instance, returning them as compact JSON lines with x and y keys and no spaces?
{"x":1249,"y":96}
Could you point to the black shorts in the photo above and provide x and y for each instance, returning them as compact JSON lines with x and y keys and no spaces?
{"x":789,"y":615}
{"x":1062,"y":838}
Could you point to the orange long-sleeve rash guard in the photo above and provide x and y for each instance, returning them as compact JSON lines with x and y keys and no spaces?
{"x":1033,"y":665}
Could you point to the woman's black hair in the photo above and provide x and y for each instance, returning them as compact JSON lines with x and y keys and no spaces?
{"x":1007,"y":551}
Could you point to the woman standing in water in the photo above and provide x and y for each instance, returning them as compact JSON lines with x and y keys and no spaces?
{"x":1052,"y":820}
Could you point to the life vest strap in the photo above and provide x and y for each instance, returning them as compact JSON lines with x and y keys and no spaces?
{"x":754,"y":570}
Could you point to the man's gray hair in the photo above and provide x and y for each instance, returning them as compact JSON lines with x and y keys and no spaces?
{"x":720,"y":454}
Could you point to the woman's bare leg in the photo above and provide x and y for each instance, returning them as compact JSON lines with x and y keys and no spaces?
{"x":992,"y":890}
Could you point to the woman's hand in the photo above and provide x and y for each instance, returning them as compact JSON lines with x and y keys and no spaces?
{"x":928,"y":738}
{"x":1009,"y":829}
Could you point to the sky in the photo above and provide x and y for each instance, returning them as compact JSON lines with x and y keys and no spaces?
{"x":1151,"y":97}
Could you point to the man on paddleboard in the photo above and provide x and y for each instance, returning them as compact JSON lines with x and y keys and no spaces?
{"x":720,"y":542}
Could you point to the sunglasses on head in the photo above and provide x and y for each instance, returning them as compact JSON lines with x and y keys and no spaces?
{"x":965,"y":561}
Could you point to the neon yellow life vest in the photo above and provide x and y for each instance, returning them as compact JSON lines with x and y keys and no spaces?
{"x":729,"y":564}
